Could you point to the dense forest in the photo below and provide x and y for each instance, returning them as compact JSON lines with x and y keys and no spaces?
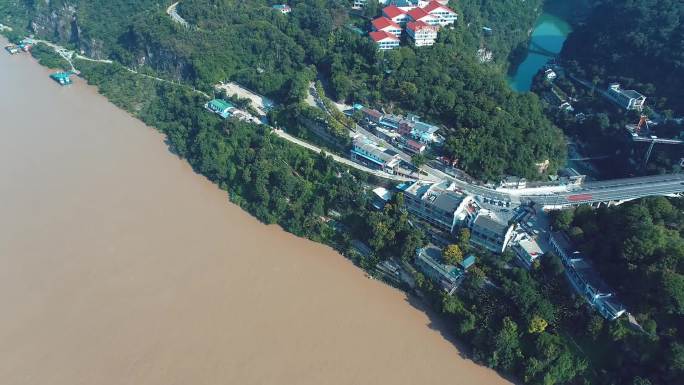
{"x":600,"y":132}
{"x":639,"y":250}
{"x":278,"y":182}
{"x":532,"y":324}
{"x":490,"y":130}
{"x":637,"y":43}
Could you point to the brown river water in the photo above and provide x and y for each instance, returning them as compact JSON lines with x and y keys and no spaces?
{"x":120,"y":265}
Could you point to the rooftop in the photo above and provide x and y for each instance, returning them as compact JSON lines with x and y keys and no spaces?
{"x":418,"y":13}
{"x":487,"y":221}
{"x":420,"y":25}
{"x":587,"y":272}
{"x":580,"y":263}
{"x":468,"y":261}
{"x":383,"y":193}
{"x":393,"y":11}
{"x":432,"y":256}
{"x":381,"y":23}
{"x":433,"y":5}
{"x":425,"y":128}
{"x":220,"y":104}
{"x":447,"y":201}
{"x":418,"y":189}
{"x":414,"y":145}
{"x":374,"y":113}
{"x":531,"y":247}
{"x":629,"y":93}
{"x":632,"y":94}
{"x":379,"y":36}
{"x":371,"y":148}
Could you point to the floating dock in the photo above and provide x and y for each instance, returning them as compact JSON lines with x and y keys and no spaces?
{"x":63,"y":78}
{"x":12,"y":49}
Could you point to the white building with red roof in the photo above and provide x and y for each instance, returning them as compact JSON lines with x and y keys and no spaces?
{"x":386,"y":25}
{"x":442,"y":13}
{"x":384,"y":40}
{"x":395,"y":14}
{"x":419,"y":14}
{"x":421,"y":33}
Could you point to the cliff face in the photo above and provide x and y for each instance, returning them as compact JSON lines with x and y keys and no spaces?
{"x":107,"y":29}
{"x":140,"y":48}
{"x":60,"y":23}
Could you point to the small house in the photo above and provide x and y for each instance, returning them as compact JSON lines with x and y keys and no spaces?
{"x":282,"y":8}
{"x":63,"y":78}
{"x":220,"y":107}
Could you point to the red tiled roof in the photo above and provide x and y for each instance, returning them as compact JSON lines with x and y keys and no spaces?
{"x":435,"y":5}
{"x":417,"y":14}
{"x":382,"y":22}
{"x":393,"y":11}
{"x":378,"y":36}
{"x":414,"y":145}
{"x":418,"y":25}
{"x":374,"y":113}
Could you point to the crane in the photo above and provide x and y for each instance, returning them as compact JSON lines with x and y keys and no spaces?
{"x":643,"y":125}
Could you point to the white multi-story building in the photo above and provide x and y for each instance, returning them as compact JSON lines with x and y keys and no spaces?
{"x":358,"y":4}
{"x":370,"y":154}
{"x":491,"y":232}
{"x":442,"y":13}
{"x":419,"y":14}
{"x":528,"y":251}
{"x":386,"y":25}
{"x":384,"y":40}
{"x":584,"y":278}
{"x":421,"y":33}
{"x":396,"y":14}
{"x":627,"y":99}
{"x":437,"y":204}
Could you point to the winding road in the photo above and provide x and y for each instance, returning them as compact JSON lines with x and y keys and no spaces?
{"x":172,"y":11}
{"x":340,"y":159}
{"x":555,"y":196}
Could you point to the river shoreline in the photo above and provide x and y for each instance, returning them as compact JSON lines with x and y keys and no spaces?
{"x":549,"y":34}
{"x":131,"y":254}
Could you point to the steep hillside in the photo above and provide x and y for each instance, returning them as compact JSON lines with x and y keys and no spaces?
{"x":638,"y":43}
{"x":490,"y":130}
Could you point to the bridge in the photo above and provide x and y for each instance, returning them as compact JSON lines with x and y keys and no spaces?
{"x":539,"y":50}
{"x":611,"y":191}
{"x":556,"y":196}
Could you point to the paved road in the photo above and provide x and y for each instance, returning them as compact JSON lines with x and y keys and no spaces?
{"x":172,"y":11}
{"x":340,"y":159}
{"x":615,"y":190}
{"x":589,"y":192}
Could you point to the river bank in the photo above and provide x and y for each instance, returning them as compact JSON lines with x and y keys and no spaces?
{"x":122,"y":265}
{"x":546,"y":41}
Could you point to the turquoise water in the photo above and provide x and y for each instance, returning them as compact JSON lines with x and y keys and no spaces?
{"x":549,"y":34}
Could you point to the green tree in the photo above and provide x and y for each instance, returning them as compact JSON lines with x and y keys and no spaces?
{"x":463,"y":238}
{"x":595,"y":325}
{"x":673,"y":292}
{"x":552,"y":264}
{"x":676,"y":356}
{"x":506,"y":346}
{"x":478,"y":275}
{"x":618,"y":330}
{"x":418,"y":160}
{"x":452,"y":255}
{"x":537,"y":325}
{"x":562,"y":219}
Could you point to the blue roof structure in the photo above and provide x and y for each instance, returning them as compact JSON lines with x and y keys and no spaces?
{"x":469,"y":261}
